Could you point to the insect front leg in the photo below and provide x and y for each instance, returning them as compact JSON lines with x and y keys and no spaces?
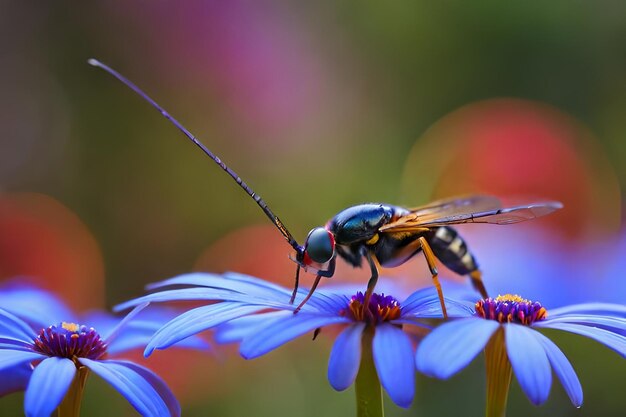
{"x":295,"y":285}
{"x":311,"y":291}
{"x":327,"y":273}
{"x":430,"y":260}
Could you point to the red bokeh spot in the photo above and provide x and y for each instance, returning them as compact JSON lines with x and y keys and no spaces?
{"x":48,"y":244}
{"x":516,"y":148}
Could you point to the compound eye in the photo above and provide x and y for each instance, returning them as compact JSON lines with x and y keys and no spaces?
{"x":320,"y":245}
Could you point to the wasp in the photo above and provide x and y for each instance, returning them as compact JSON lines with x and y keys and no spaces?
{"x":388,"y":236}
{"x":382,"y":235}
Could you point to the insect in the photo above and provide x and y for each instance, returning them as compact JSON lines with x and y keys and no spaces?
{"x":381,"y":234}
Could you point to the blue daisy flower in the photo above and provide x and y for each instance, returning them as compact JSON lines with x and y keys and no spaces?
{"x":39,"y":308}
{"x":47,"y":362}
{"x":258,"y":314}
{"x":509,"y":323}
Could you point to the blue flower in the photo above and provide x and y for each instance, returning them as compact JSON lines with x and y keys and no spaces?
{"x":39,"y":308}
{"x":453,"y":345}
{"x":45,"y":362}
{"x":258,"y":314}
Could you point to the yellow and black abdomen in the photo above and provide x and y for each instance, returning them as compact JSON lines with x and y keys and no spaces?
{"x":450,"y":248}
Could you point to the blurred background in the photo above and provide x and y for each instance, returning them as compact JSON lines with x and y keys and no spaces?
{"x":318,"y":106}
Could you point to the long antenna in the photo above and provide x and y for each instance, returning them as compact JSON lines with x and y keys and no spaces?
{"x":273,"y":218}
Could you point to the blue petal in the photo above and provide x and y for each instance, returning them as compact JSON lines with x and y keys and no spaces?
{"x":130,"y":338}
{"x":282,"y":331}
{"x":425,"y":304}
{"x":15,"y":379}
{"x":385,"y":285}
{"x":204,"y":294}
{"x":100,"y":320}
{"x":229,"y":281}
{"x":48,"y":385}
{"x":229,"y":287}
{"x":35,"y":306}
{"x":618,"y":310}
{"x":114,"y":333}
{"x":140,"y":338}
{"x":563,"y":370}
{"x":138,"y":332}
{"x":15,"y":344}
{"x":345,"y":357}
{"x":605,"y":322}
{"x":452,"y":346}
{"x":433,"y":310}
{"x":133,"y":386}
{"x":238,"y":329}
{"x":157,"y":383}
{"x":393,"y":357}
{"x":273,"y":291}
{"x":11,"y":325}
{"x":324,"y":301}
{"x":424,"y":295}
{"x":195,"y":321}
{"x":10,"y":357}
{"x":609,"y":339}
{"x":529,"y":361}
{"x":200,"y":279}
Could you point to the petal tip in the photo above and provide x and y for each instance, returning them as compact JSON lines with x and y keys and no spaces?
{"x":148,"y":351}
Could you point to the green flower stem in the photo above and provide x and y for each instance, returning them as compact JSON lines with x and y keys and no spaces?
{"x":499,"y":375}
{"x":70,"y":406}
{"x":369,"y":393}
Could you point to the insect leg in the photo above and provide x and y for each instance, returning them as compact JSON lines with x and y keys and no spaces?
{"x":295,"y":285}
{"x":321,"y":273}
{"x":311,"y":291}
{"x":371,"y":284}
{"x":477,"y":283}
{"x":430,"y":260}
{"x":317,"y":332}
{"x":331,"y":269}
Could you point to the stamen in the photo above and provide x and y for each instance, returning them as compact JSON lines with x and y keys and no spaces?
{"x":381,"y":308}
{"x":511,"y":308}
{"x":72,"y":327}
{"x":70,"y":340}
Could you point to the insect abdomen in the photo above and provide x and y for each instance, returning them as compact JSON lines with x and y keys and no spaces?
{"x":450,"y":248}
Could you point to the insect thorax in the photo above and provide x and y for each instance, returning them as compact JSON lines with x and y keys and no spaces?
{"x":360,"y":223}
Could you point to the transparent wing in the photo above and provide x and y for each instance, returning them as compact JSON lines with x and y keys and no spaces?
{"x":446,"y":207}
{"x":506,"y":215}
{"x":463,"y":203}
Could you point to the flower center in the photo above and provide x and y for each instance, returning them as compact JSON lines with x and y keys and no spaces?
{"x":510,"y":308}
{"x":380,"y":308}
{"x":70,"y":340}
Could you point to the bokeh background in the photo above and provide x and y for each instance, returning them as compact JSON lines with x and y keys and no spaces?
{"x":319,"y":106}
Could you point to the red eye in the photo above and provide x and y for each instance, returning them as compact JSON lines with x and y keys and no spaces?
{"x":320,"y":245}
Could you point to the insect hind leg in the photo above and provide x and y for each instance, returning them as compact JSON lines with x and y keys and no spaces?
{"x":430,"y":260}
{"x":477,"y":282}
